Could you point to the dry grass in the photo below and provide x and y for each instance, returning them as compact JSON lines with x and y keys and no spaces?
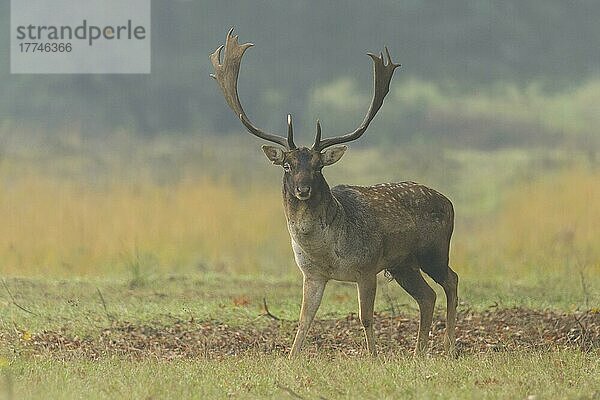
{"x":53,"y":226}
{"x":143,"y":207}
{"x":546,"y":227}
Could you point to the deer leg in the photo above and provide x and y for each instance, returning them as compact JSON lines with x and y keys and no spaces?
{"x":312,"y":293}
{"x":450,"y":286}
{"x":367,"y":289}
{"x":413,"y":282}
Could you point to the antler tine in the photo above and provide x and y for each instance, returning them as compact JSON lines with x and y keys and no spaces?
{"x":382,"y":76}
{"x":315,"y":146}
{"x":226,"y":74}
{"x":290,"y":138}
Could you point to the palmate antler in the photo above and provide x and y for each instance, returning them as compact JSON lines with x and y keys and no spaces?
{"x":382,"y":76}
{"x":226,"y":74}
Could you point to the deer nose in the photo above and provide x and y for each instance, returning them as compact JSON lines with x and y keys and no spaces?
{"x":303,"y":191}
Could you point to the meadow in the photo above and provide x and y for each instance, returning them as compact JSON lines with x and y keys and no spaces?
{"x":144,"y":268}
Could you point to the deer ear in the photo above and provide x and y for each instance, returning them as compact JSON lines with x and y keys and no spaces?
{"x":273,"y":153}
{"x":333,"y":154}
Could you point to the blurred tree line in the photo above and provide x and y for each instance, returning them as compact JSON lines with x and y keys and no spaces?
{"x":309,"y":61}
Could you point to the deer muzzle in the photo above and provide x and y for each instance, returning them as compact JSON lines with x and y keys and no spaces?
{"x":303,"y":192}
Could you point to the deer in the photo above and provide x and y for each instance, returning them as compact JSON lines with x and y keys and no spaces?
{"x":352,"y":233}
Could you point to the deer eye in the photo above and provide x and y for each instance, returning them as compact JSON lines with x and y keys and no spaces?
{"x":286,"y":167}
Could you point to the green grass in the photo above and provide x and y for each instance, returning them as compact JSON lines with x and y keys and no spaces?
{"x":76,"y":306}
{"x":567,"y":374}
{"x":77,"y":303}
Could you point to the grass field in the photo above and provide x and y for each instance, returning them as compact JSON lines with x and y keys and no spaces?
{"x":207,"y":335}
{"x":139,"y":271}
{"x":515,"y":376}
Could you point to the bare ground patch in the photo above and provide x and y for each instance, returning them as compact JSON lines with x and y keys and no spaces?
{"x":516,"y":329}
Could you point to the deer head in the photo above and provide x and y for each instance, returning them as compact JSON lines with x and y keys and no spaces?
{"x":302,"y":165}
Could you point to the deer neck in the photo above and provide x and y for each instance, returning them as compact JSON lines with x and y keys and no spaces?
{"x":313,"y":219}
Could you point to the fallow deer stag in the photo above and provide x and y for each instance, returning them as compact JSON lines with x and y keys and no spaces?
{"x":351,"y":233}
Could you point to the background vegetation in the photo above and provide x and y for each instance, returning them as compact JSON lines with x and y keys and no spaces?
{"x":75,"y":206}
{"x":492,"y":74}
